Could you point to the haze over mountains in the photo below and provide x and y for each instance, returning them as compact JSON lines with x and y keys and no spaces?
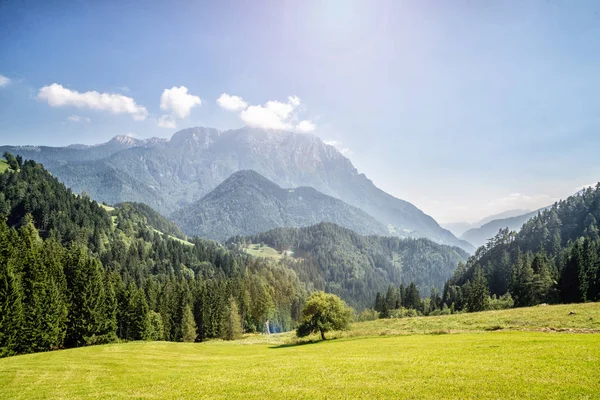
{"x":171,"y":174}
{"x":479,"y":236}
{"x":459,"y":228}
{"x":247,"y":203}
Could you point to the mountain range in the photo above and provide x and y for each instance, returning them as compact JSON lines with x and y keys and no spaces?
{"x":171,"y":174}
{"x":459,"y":228}
{"x":479,"y":236}
{"x":248,"y":203}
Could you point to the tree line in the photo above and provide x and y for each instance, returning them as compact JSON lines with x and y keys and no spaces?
{"x":74,"y":274}
{"x":554,"y":258}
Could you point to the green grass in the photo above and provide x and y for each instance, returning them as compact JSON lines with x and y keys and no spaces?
{"x":174,"y":237}
{"x":3,"y":165}
{"x":107,"y":208}
{"x":264,"y":251}
{"x":555,"y":318}
{"x":529,"y":362}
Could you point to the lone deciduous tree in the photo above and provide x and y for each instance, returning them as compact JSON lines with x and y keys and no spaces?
{"x":323,"y":312}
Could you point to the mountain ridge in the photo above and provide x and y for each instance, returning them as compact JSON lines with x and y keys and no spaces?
{"x":248,"y":203}
{"x":170,"y":174}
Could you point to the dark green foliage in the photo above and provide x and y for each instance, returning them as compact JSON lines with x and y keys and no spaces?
{"x":133,"y":211}
{"x":73,"y":274}
{"x":553,"y":258}
{"x":356,"y":267}
{"x":477,"y":292}
{"x":323,"y":312}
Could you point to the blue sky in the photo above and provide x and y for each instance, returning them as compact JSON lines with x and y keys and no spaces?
{"x":465,"y":108}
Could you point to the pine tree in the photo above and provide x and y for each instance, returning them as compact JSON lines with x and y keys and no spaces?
{"x":232,"y":325}
{"x":378,"y":302}
{"x":542,"y":280}
{"x":478,"y":293}
{"x":521,"y":286}
{"x":570,"y":276}
{"x":188,"y":325}
{"x":137,"y":315}
{"x":11,"y":312}
{"x":88,"y":322}
{"x":413,"y":299}
{"x":390,"y":298}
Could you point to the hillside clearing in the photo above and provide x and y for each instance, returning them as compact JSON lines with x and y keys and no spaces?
{"x":3,"y":166}
{"x":257,"y":250}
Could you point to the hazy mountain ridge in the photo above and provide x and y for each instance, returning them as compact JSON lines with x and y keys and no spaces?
{"x":459,"y":228}
{"x":480,"y":236}
{"x":247,"y":203}
{"x":170,"y":174}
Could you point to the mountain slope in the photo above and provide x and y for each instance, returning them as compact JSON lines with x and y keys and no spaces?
{"x":168,"y":175}
{"x":356,"y":267}
{"x":479,"y":236}
{"x":248,"y":203}
{"x":553,"y":257}
{"x":74,"y":272}
{"x":459,"y":228}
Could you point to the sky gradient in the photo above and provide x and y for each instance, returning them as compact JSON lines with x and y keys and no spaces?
{"x":464,"y":108}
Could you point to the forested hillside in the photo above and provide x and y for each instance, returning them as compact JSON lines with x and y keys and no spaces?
{"x":555,"y":257}
{"x":248,"y":203}
{"x":73,"y":273}
{"x":356,"y":267}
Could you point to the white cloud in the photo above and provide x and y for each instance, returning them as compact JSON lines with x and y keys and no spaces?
{"x":4,"y":81}
{"x":231,"y":103}
{"x":58,"y":96}
{"x":339,"y":146}
{"x":178,"y":101}
{"x":305,"y":127}
{"x":167,"y":121}
{"x":277,"y":116}
{"x":78,"y":118}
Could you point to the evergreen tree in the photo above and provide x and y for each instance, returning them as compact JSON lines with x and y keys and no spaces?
{"x":390,"y":298}
{"x":138,"y":327}
{"x":412,"y":298}
{"x":11,"y":312}
{"x":570,"y":284}
{"x":232,"y":325}
{"x":478,"y":293}
{"x":155,"y":326}
{"x":188,"y":325}
{"x":542,"y":280}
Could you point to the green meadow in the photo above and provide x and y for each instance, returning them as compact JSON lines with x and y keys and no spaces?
{"x":537,"y":353}
{"x":257,"y":250}
{"x":3,"y":165}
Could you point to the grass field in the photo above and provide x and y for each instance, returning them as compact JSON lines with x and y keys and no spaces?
{"x":531,"y":361}
{"x":264,"y":251}
{"x":3,"y":165}
{"x":174,"y":238}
